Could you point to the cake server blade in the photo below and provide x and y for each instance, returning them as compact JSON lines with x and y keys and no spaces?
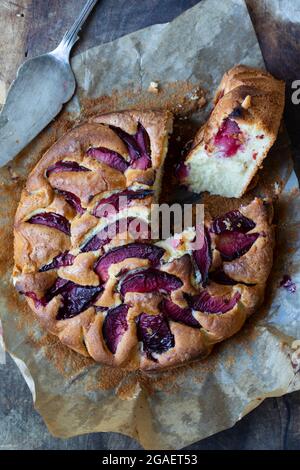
{"x":43,"y":84}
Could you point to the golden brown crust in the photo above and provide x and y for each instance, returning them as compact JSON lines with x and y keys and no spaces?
{"x":37,"y":245}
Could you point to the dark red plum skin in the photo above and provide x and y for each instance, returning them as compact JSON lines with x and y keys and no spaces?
{"x":232,"y":245}
{"x":118,"y":201}
{"x":288,"y":284}
{"x":38,"y":302}
{"x":155,"y":334}
{"x":63,"y":259}
{"x":203,"y":257}
{"x":138,"y":146}
{"x":227,"y":139}
{"x":62,"y":166}
{"x":133,"y":250}
{"x":73,"y":200}
{"x":105,"y":235}
{"x":204,"y":302}
{"x":114,"y":326}
{"x":130,"y":141}
{"x":219,"y":277}
{"x":149,"y":280}
{"x":109,"y":157}
{"x":51,"y":219}
{"x":178,"y":314}
{"x":232,"y":221}
{"x":75,"y":298}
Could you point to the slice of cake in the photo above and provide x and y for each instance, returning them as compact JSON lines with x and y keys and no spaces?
{"x":231,"y":146}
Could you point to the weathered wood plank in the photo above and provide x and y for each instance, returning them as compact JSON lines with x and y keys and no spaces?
{"x":12,"y":45}
{"x":277,"y":25}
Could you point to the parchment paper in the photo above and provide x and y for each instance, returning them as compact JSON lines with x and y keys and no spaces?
{"x":174,"y":408}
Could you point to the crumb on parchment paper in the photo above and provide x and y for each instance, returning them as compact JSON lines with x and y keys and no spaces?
{"x":153,"y":87}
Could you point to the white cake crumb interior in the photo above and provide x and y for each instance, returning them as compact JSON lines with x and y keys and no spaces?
{"x":227,"y":176}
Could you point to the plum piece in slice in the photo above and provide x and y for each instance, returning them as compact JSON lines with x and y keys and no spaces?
{"x":63,"y":259}
{"x":228,"y":138}
{"x":51,"y":219}
{"x":118,"y":201}
{"x":203,"y":257}
{"x":73,"y":200}
{"x":204,"y":302}
{"x":104,"y":236}
{"x":114,"y":326}
{"x":232,"y":221}
{"x":61,"y":166}
{"x":133,"y":250}
{"x":288,"y":284}
{"x":75,"y":298}
{"x":155,"y":334}
{"x":149,"y":280}
{"x":176,"y":313}
{"x":181,"y":171}
{"x":109,"y":157}
{"x":232,"y":245}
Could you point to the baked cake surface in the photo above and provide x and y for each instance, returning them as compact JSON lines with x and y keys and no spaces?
{"x":110,"y":292}
{"x":231,"y":146}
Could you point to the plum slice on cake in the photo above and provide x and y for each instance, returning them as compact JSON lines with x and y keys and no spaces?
{"x":231,"y":146}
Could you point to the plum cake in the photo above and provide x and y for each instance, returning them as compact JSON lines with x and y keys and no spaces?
{"x":86,"y":263}
{"x":243,"y":125}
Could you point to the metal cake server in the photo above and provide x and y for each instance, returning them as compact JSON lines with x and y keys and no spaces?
{"x":43,"y":84}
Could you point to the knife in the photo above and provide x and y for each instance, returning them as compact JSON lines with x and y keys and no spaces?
{"x":43,"y":84}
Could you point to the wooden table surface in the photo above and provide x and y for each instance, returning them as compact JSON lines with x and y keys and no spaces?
{"x":31,"y":27}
